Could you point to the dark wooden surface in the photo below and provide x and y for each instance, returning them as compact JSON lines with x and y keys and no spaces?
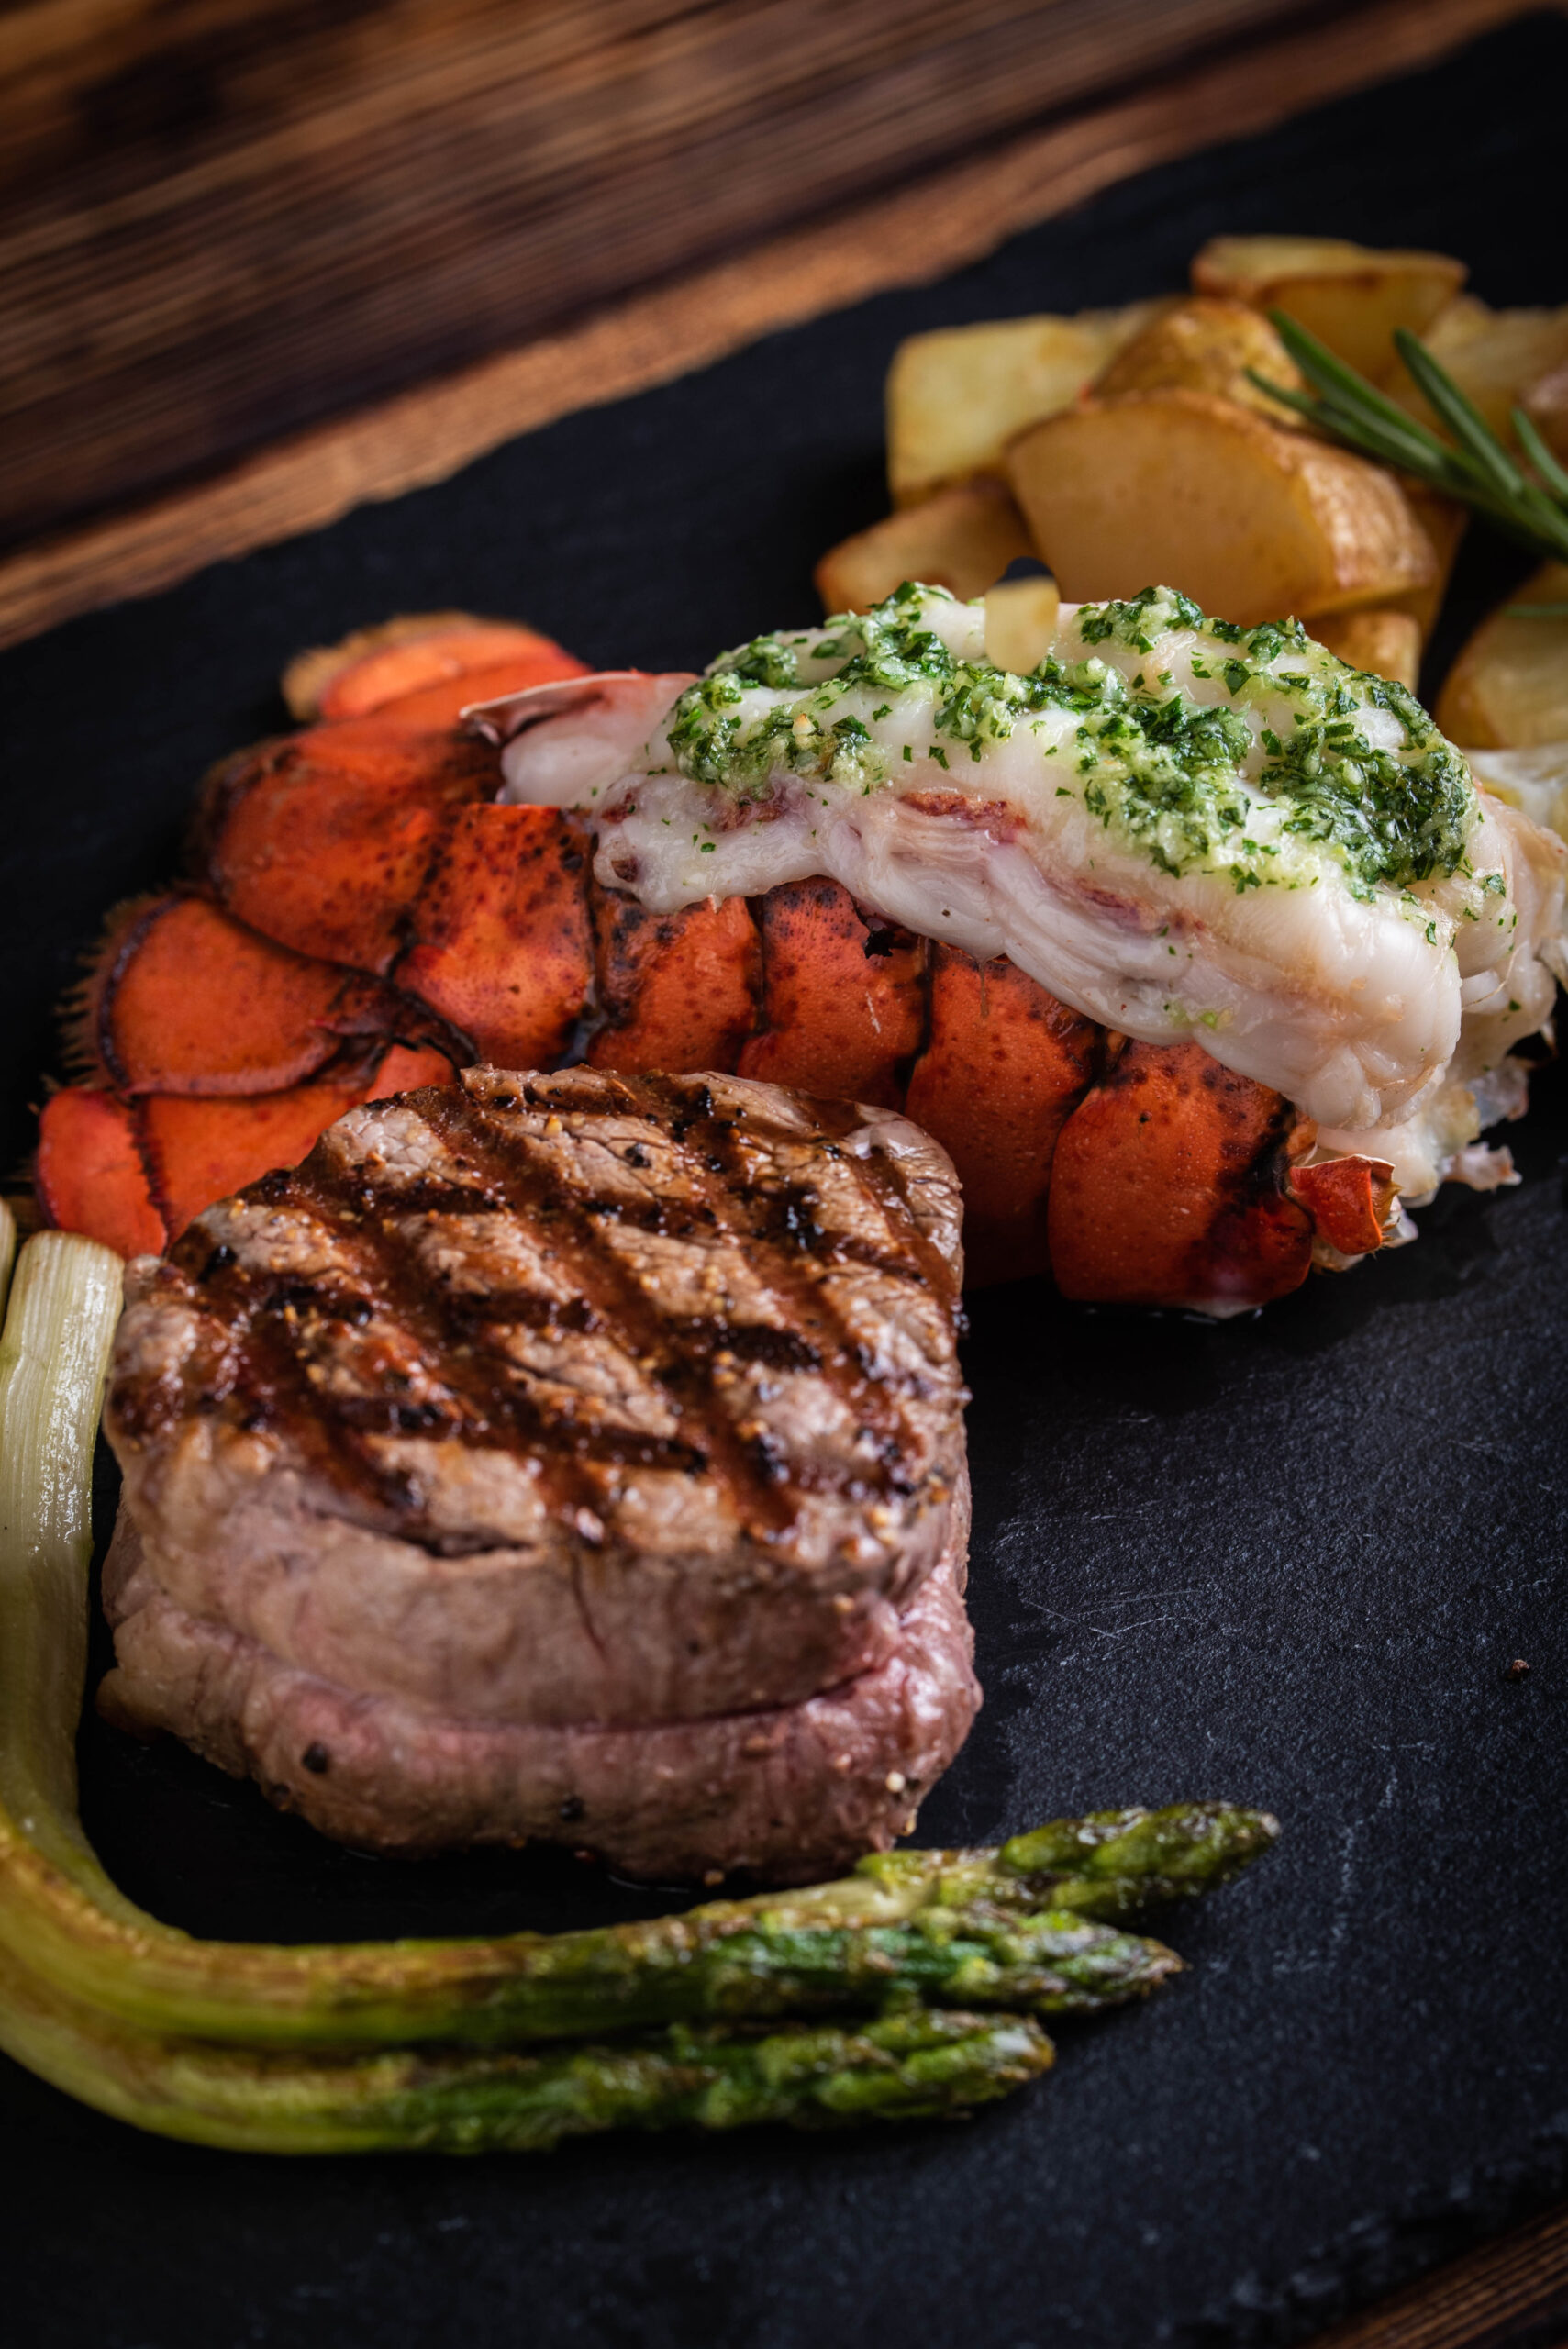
{"x":1512,"y":2294}
{"x":922,"y":230}
{"x":224,"y":218}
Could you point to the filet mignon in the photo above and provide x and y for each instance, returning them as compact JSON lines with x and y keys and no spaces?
{"x":540,"y":1452}
{"x":559,"y":1398}
{"x":789,"y":1793}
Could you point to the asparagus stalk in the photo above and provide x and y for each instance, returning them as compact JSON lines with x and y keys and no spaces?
{"x":65,"y":1299}
{"x":918,"y":2064}
{"x":948,"y":1928}
{"x":132,"y":2015}
{"x":1120,"y":1861}
{"x":853,"y":1944}
{"x":1009,"y":1928}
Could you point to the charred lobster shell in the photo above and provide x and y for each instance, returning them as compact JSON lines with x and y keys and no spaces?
{"x":362,"y":916}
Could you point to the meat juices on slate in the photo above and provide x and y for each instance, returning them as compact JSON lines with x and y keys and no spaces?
{"x":527,"y":1416}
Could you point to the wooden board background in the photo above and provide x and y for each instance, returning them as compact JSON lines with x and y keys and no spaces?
{"x":226,"y":218}
{"x":922,"y":230}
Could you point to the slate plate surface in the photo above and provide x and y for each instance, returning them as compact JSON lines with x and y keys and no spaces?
{"x":1287,"y":1560}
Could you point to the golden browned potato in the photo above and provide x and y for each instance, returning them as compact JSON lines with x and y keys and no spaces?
{"x":956,"y":397}
{"x":1444,"y":520}
{"x":961,"y":539}
{"x":1547,"y":407}
{"x":1508,"y":689}
{"x":1205,"y":344}
{"x":1020,"y":622}
{"x":1499,"y":357}
{"x":1385,"y":643}
{"x":1348,"y":296}
{"x":1192,"y":492}
{"x":1535,"y":781}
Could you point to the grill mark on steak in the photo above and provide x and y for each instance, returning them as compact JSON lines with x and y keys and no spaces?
{"x":274,"y":1386}
{"x":615,"y":1294}
{"x":478,"y":1404}
{"x":784,"y":1227}
{"x":778,"y":1226}
{"x":494,"y":1410}
{"x":791,"y":1205}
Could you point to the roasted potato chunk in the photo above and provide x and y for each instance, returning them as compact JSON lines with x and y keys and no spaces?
{"x":1534,"y":781}
{"x":1508,"y":689}
{"x":1445,"y":521}
{"x":956,"y":397}
{"x":1547,"y":407}
{"x":1348,"y":296}
{"x":1184,"y":488}
{"x":961,"y":539}
{"x":1020,"y":622}
{"x":1385,"y":643}
{"x":1499,"y":359}
{"x":1206,"y":345}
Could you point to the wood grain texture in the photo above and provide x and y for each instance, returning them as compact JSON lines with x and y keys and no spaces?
{"x":922,"y":232}
{"x":226,"y":218}
{"x":1511,"y":2291}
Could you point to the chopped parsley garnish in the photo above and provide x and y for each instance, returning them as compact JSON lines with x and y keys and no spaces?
{"x":1193,"y":785}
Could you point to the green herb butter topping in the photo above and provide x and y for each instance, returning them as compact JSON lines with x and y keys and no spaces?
{"x":1263,"y":753}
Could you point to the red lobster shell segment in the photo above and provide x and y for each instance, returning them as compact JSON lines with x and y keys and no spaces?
{"x":324,"y":842}
{"x":500,"y":942}
{"x":1168,"y":1187}
{"x":364,"y":915}
{"x":1004,"y":1069}
{"x":147,"y":1017}
{"x":843,"y":1001}
{"x":677,"y":991}
{"x":92,"y":1175}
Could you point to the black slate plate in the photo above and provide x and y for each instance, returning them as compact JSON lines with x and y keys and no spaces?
{"x":1287,"y":1560}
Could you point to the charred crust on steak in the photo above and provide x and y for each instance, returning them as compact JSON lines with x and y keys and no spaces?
{"x":668,"y":1365}
{"x":430,"y":1358}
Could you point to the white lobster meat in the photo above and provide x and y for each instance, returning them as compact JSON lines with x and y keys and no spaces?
{"x":1181,"y":828}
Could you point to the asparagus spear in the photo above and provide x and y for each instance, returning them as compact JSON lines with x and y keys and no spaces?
{"x":115,"y":2006}
{"x":975,"y":1927}
{"x":851,"y":1944}
{"x":948,"y":1928}
{"x":917,"y":2063}
{"x":1118,"y":1861}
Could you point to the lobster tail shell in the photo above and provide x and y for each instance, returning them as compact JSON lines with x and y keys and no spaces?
{"x":677,"y":991}
{"x":369,"y":912}
{"x":1168,"y":1188}
{"x":843,"y":999}
{"x":500,"y":940}
{"x":1004,"y":1069}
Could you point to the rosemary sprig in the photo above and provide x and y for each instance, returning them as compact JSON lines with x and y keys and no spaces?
{"x":1475,"y":467}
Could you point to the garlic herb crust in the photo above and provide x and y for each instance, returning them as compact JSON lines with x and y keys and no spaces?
{"x":1179,"y":826}
{"x":1169,"y":768}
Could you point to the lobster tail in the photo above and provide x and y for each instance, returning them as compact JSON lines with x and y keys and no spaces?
{"x":368,"y":913}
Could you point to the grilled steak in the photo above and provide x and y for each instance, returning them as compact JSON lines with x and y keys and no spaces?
{"x":559,"y":1400}
{"x":789,"y":1794}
